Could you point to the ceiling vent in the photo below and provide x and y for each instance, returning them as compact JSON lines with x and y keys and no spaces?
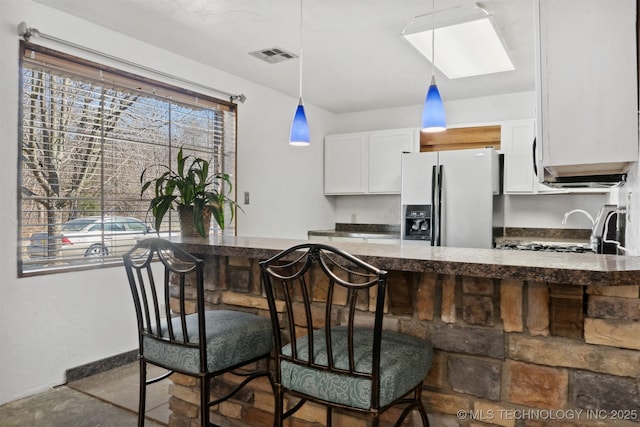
{"x":273,"y":55}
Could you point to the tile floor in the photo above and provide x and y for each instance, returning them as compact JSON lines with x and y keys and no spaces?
{"x":108,"y":399}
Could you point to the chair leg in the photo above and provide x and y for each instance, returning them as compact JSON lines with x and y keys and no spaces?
{"x":204,"y":400}
{"x":278,"y":409}
{"x":421,"y":410}
{"x":329,"y":416}
{"x":142,"y":395}
{"x":415,"y":404}
{"x":423,"y":415}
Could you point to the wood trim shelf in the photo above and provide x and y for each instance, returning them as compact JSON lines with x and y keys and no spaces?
{"x":461,"y":138}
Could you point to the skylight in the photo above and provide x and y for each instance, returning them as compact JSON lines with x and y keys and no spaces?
{"x":466,"y":42}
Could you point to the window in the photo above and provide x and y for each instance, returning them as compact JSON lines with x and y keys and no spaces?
{"x":87,"y":132}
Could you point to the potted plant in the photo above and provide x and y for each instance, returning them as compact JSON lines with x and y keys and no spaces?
{"x":196,"y":195}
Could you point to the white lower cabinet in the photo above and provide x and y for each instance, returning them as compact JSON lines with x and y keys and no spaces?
{"x":367,"y":162}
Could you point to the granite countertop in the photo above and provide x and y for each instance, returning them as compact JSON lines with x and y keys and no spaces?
{"x":576,"y":269}
{"x":518,"y":236}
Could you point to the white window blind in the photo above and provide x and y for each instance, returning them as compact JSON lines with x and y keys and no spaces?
{"x":87,"y":132}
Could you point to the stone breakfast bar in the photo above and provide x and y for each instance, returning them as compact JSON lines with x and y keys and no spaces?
{"x":521,"y":338}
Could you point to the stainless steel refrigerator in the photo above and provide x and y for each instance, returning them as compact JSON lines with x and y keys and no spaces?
{"x":452,"y":198}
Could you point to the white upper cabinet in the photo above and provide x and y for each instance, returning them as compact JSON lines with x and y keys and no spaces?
{"x":385,"y":150}
{"x":516,"y":142}
{"x":345,"y":167}
{"x":587,"y":87}
{"x":367,"y":162}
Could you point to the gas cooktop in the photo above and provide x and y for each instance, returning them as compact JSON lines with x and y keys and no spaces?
{"x":544,"y":247}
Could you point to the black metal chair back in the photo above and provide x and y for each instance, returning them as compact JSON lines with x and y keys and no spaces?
{"x":323,"y":302}
{"x":151,"y":296}
{"x":177,"y":333}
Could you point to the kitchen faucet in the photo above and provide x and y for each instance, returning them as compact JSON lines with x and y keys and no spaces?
{"x":593,"y":240}
{"x":588,"y":215}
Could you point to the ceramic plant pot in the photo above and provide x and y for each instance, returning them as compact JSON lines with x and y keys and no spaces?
{"x":187,"y":229}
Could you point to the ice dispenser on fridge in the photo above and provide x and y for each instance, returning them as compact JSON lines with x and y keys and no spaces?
{"x":417,"y":222}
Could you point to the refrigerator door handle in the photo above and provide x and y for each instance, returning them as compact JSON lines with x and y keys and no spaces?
{"x":535,"y":162}
{"x":438,"y":239}
{"x":432,"y":220}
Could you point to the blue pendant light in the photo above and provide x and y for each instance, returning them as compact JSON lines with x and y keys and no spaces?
{"x":433,"y":117}
{"x":299,"y":127}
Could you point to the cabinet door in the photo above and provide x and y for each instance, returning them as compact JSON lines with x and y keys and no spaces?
{"x":516,"y":141}
{"x":345,"y":164}
{"x":587,"y":85}
{"x":385,"y":150}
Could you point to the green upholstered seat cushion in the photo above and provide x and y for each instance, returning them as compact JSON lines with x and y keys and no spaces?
{"x":232,"y":338}
{"x":404,"y":363}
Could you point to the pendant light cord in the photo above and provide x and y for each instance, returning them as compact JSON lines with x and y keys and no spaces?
{"x":300,"y":63}
{"x":433,"y":38}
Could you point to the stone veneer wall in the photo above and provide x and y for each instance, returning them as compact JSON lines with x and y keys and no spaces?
{"x":507,"y":353}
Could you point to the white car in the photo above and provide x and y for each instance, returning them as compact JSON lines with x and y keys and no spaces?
{"x":84,"y":237}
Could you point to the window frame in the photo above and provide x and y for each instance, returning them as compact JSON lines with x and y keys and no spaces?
{"x":94,"y":71}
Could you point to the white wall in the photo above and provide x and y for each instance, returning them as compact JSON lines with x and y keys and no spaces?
{"x":630,"y":197}
{"x":285,"y":183}
{"x":51,"y":323}
{"x":547,"y":210}
{"x":485,"y":110}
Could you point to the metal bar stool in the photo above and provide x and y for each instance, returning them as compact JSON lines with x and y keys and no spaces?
{"x":204,"y":343}
{"x":319,"y":299}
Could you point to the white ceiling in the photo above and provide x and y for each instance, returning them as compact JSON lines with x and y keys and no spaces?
{"x":353,"y":58}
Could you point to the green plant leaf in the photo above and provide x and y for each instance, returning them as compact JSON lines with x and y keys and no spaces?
{"x":190,"y":186}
